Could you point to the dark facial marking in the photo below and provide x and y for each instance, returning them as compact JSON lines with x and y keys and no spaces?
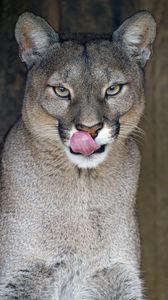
{"x":62,"y":131}
{"x":117,"y":126}
{"x":85,"y":54}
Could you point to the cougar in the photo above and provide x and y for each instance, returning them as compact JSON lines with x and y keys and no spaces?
{"x":70,"y":165}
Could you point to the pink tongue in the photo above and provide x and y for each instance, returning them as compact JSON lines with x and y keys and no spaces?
{"x":82,"y":142}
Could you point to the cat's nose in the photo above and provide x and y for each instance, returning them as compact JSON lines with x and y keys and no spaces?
{"x":92,"y":130}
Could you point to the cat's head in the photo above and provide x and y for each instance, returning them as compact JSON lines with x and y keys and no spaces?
{"x":85,"y":94}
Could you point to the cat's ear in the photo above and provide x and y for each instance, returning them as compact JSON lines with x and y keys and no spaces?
{"x":34,"y":36}
{"x":137,"y":34}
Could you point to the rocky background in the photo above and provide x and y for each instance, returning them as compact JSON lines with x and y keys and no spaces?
{"x":104,"y":16}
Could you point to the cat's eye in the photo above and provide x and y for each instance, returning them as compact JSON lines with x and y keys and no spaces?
{"x":113,"y":90}
{"x":61,"y":91}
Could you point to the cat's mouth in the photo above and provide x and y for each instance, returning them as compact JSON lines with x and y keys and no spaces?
{"x":85,"y":151}
{"x":83,"y":143}
{"x":100,"y":150}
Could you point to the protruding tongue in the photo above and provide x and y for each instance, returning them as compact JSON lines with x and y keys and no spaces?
{"x":82,"y":142}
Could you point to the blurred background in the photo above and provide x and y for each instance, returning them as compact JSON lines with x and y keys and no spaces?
{"x":104,"y":16}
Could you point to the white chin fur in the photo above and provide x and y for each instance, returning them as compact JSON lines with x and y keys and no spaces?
{"x":87,"y":162}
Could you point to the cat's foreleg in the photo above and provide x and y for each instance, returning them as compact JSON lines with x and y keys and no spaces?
{"x":121,"y":282}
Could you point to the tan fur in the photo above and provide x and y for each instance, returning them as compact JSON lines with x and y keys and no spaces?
{"x":68,"y":224}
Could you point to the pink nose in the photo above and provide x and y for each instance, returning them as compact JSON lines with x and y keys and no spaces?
{"x":92,"y":130}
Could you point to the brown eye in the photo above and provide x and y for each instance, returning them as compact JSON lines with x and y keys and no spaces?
{"x":113,"y":90}
{"x":61,"y":91}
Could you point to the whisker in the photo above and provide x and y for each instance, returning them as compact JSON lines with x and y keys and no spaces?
{"x":134,"y":133}
{"x":139,"y":142}
{"x":134,"y":128}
